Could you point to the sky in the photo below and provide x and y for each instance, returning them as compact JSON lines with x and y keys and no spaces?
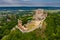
{"x":50,"y":3}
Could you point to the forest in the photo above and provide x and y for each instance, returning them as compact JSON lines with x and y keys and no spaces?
{"x":8,"y":22}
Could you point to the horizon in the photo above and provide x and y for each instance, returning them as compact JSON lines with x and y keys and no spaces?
{"x":29,"y":6}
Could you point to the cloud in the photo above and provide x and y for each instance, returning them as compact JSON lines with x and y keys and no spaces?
{"x":26,"y":0}
{"x":10,"y":1}
{"x":29,"y":3}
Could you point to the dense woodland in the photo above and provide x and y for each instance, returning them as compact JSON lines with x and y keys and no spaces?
{"x":8,"y":22}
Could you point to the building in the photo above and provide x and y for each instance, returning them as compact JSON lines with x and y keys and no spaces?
{"x":39,"y":17}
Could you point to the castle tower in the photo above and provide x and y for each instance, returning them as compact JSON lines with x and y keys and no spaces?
{"x":38,"y":14}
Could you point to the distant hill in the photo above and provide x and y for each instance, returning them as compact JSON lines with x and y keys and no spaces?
{"x":28,"y":8}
